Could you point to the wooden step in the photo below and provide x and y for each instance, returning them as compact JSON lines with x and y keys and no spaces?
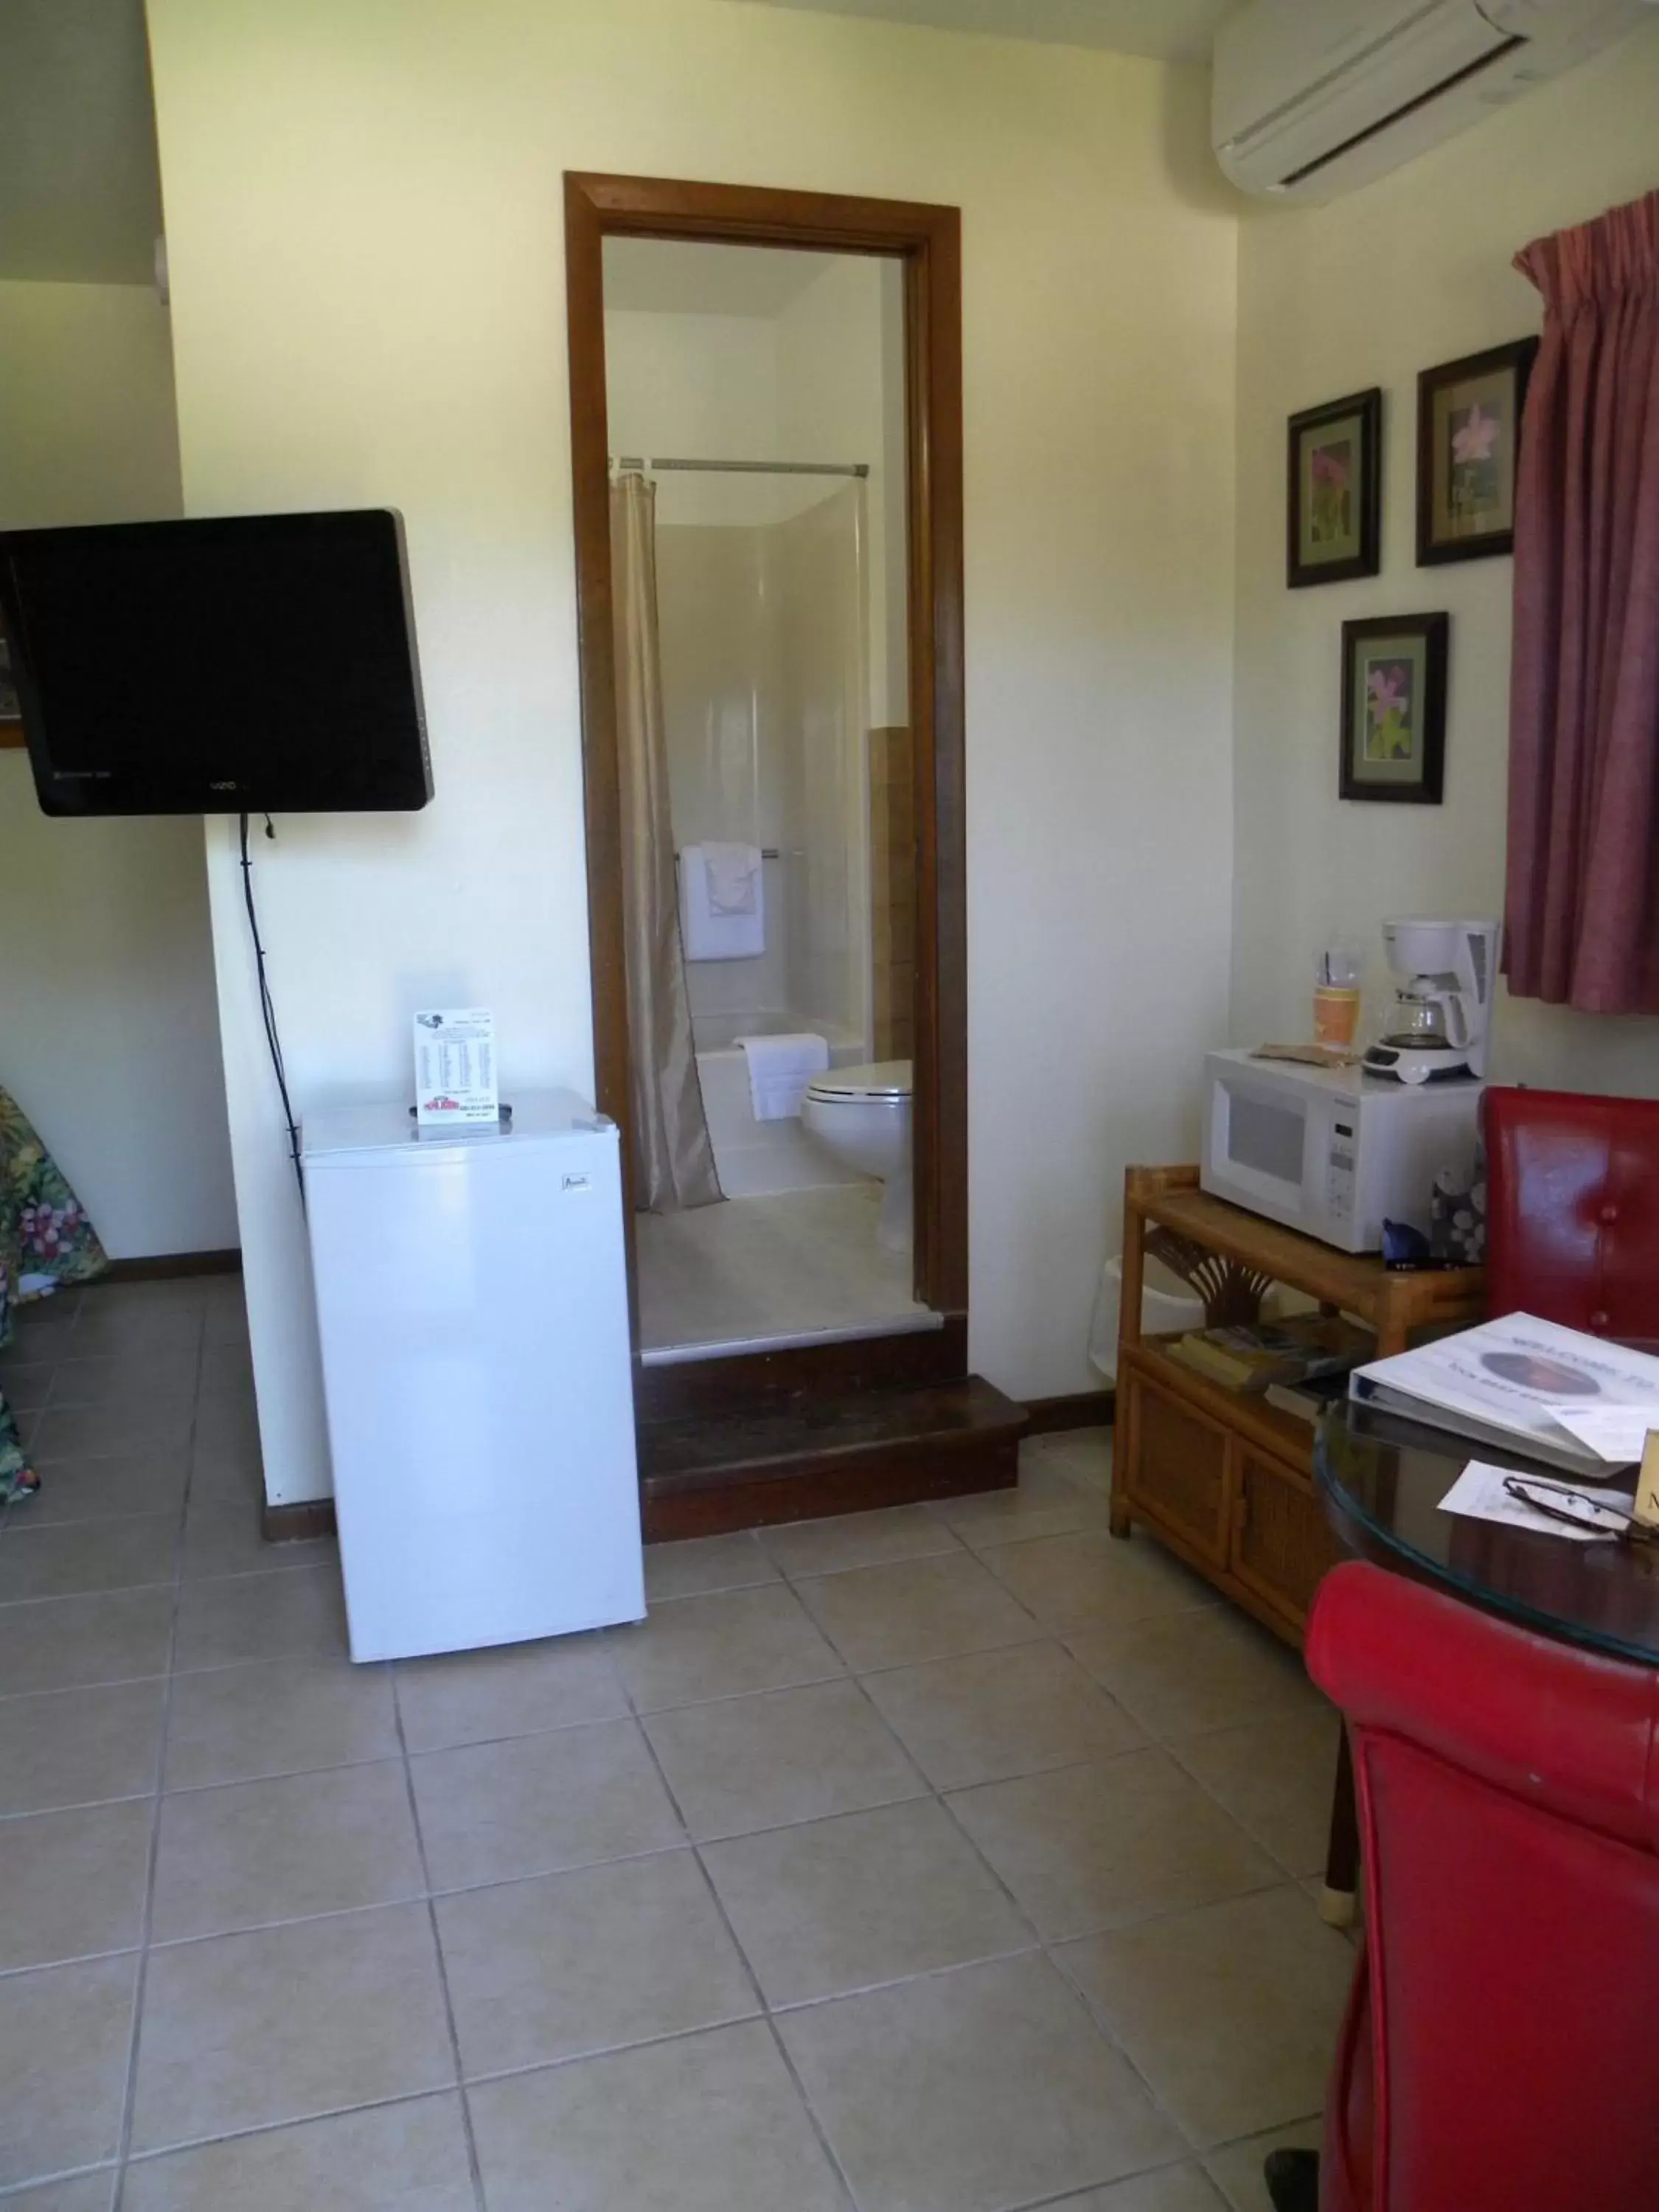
{"x":821,"y":1453}
{"x":701,"y":1389}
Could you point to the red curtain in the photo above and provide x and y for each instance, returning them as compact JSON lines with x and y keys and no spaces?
{"x":1582,"y":906}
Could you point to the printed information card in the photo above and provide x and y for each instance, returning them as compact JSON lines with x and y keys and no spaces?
{"x":455,"y":1085}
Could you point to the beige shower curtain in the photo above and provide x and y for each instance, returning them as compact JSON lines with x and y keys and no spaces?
{"x":673,"y":1158}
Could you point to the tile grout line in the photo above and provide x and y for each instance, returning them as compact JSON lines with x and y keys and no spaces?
{"x":1046,"y":1951}
{"x":1193,"y":2163}
{"x":474,"y":2166}
{"x":926,"y":1789}
{"x":778,"y":1578}
{"x":1040,"y":1941}
{"x":140,"y":1979}
{"x":14,"y":2193}
{"x":259,"y":2128}
{"x":787,"y":2058}
{"x":1199,"y":1783}
{"x":1039,"y":1944}
{"x":778,"y":2044}
{"x":623,"y":2049}
{"x":1050,"y":1638}
{"x":1271,"y":1888}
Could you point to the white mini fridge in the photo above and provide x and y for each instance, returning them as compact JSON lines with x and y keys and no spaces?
{"x":472,"y":1304}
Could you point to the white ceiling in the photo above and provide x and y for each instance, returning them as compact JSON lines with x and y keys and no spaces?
{"x":1169,"y":30}
{"x":663,"y":277}
{"x":80,"y":196}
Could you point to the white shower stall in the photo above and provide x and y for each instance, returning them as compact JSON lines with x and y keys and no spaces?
{"x":761,"y":620}
{"x":762,"y":392}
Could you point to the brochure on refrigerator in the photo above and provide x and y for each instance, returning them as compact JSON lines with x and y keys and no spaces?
{"x":1508,"y":1382}
{"x":455,"y":1069}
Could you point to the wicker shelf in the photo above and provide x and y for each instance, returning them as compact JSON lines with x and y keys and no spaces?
{"x":1252,"y":1416}
{"x":1221,"y":1478}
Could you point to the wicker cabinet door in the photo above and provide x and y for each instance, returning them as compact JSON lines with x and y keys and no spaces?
{"x":1282,"y":1543}
{"x":1178,"y":1476}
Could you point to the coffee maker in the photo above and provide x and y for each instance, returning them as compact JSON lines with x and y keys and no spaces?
{"x":1447,"y":972}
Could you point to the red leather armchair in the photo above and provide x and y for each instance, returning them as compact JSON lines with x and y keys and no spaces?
{"x":1572,"y":1210}
{"x":1498,"y":2053}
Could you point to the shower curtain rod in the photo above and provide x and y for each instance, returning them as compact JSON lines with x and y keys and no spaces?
{"x":747,"y":468}
{"x":767,"y":853}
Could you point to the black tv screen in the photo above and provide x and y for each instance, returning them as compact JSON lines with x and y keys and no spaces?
{"x":257,"y":664}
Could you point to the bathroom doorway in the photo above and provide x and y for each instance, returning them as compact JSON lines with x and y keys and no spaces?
{"x":766,"y":429}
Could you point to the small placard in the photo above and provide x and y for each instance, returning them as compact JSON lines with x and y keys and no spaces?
{"x":455,"y":1085}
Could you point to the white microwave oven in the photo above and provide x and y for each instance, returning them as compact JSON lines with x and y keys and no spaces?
{"x":1331,"y":1151}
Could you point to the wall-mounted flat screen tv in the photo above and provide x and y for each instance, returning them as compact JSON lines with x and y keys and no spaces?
{"x":256,"y":664}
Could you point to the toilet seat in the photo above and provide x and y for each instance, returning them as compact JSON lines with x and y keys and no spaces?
{"x":880,"y":1078}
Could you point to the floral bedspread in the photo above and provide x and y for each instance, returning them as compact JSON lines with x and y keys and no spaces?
{"x":45,"y":1240}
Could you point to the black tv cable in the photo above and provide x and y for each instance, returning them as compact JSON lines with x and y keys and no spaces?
{"x":268,"y":1009}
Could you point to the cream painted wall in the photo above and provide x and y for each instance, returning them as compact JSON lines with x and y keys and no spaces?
{"x":840,"y":398}
{"x":86,"y":405}
{"x":699,"y":386}
{"x":363,"y":215}
{"x":822,"y":379}
{"x":809,"y":381}
{"x":1412,"y":271}
{"x":109,"y":1031}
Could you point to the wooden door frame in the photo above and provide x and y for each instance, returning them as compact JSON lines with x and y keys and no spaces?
{"x":927,"y":240}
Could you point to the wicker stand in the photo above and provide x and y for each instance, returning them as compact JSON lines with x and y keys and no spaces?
{"x":1221,"y":1478}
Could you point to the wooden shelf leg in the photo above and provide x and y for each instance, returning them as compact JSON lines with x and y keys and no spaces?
{"x":1337,"y":1897}
{"x":1129,"y":1332}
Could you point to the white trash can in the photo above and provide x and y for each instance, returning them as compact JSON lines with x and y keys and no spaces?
{"x":1166,"y":1304}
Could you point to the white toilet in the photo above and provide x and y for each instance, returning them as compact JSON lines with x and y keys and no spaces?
{"x":862,"y":1115}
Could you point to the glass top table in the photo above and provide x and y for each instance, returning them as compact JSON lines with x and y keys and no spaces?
{"x":1383,"y":1480}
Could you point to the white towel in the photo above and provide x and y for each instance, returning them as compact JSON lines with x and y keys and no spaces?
{"x":734,"y":871}
{"x":779,"y":1069}
{"x":709,"y":932}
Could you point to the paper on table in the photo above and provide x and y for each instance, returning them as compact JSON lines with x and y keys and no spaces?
{"x":1480,"y":1494}
{"x":1617,"y":1433}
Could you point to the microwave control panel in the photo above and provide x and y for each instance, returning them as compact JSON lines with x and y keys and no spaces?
{"x":1339,"y":1174}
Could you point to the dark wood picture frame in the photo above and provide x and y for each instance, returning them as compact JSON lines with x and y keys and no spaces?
{"x":1516,"y":359}
{"x":1367,"y":560}
{"x":1434,"y":632}
{"x":927,"y":240}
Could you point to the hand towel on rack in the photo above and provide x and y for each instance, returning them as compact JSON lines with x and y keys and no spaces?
{"x":733,"y":873}
{"x":710,"y":932}
{"x":779,"y":1069}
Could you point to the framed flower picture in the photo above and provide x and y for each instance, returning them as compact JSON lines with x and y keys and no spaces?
{"x":1394,"y":708}
{"x":1469,"y":441}
{"x":1335,"y":503}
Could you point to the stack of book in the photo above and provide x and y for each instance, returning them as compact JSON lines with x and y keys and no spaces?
{"x":1288,"y":1355}
{"x":1308,"y":1400}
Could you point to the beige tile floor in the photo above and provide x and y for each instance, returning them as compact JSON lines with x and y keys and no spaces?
{"x":951,"y":1859}
{"x":772,"y":1269}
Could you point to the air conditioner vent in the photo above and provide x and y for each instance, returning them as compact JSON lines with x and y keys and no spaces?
{"x":1408,"y":107}
{"x":1312,"y":97}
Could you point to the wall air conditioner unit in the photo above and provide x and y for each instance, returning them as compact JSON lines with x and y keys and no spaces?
{"x":1312,"y":97}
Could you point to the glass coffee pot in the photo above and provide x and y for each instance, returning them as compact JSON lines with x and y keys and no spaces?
{"x":1422,"y":1019}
